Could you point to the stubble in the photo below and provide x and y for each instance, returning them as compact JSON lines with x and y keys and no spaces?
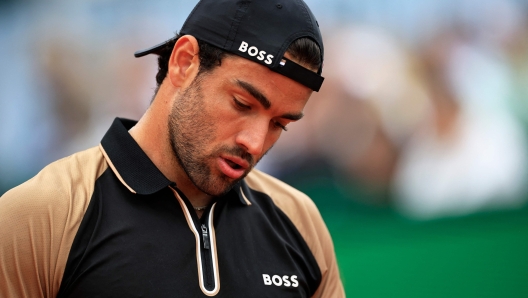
{"x":191,"y":133}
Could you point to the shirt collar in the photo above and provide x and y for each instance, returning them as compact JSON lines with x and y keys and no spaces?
{"x":135,"y":169}
{"x":129,"y":162}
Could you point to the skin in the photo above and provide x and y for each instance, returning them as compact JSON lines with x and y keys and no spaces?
{"x":197,"y":125}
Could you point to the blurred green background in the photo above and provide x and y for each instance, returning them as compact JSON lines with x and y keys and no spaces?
{"x":384,"y":254}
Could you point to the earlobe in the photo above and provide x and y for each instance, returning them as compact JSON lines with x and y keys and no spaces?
{"x":184,"y":61}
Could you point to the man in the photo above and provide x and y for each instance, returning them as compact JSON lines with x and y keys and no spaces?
{"x":171,"y":206}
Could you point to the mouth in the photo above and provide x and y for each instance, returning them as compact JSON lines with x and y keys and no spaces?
{"x":233,"y":164}
{"x":233,"y":167}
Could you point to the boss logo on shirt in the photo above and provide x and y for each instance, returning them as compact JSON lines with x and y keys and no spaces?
{"x":285,"y":280}
{"x":253,"y":51}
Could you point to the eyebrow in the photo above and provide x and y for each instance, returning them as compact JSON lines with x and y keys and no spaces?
{"x":293,"y":117}
{"x":264,"y":100}
{"x":255,"y":93}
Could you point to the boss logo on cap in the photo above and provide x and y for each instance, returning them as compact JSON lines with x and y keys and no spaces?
{"x":285,"y":280}
{"x":254,"y":51}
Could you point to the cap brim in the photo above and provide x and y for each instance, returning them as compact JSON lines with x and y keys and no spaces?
{"x":152,"y":50}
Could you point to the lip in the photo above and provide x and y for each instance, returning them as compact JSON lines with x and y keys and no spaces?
{"x":228,"y":170}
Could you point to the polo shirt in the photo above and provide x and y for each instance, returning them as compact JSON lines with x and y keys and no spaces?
{"x":106,"y":222}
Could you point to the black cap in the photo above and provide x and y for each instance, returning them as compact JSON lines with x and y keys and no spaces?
{"x":258,"y":30}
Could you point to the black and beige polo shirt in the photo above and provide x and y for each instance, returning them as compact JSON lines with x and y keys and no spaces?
{"x":106,"y":222}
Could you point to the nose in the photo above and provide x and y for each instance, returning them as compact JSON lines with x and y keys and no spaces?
{"x":252,"y":138}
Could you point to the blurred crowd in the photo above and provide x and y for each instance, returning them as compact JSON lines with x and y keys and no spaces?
{"x":431,"y":113}
{"x":436,"y":127}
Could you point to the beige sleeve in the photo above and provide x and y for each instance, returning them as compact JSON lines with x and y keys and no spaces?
{"x":38,"y":222}
{"x":306,"y":217}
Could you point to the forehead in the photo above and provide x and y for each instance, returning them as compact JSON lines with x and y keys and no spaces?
{"x":276,"y":87}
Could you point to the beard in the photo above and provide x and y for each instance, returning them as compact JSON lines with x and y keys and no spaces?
{"x":191,"y":133}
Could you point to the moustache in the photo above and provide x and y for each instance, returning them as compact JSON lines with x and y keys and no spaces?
{"x":238,"y":152}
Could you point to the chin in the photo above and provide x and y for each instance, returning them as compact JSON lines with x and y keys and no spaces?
{"x":221,"y":186}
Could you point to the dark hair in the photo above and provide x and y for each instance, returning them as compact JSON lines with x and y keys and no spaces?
{"x":306,"y":52}
{"x":303,"y":50}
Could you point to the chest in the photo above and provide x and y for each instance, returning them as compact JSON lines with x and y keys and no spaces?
{"x":156,"y":249}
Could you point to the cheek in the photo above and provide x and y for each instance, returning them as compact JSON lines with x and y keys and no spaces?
{"x":217,"y":114}
{"x":271,"y":139}
{"x":225,"y":122}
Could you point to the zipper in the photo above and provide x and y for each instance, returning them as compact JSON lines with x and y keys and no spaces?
{"x":209,"y":281}
{"x":205,"y":237}
{"x":206,"y":253}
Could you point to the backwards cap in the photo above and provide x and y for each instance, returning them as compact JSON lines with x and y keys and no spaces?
{"x":258,"y":30}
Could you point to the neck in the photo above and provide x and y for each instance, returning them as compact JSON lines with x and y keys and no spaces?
{"x":152,"y":135}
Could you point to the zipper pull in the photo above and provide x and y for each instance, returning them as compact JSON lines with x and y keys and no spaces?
{"x":205,"y":236}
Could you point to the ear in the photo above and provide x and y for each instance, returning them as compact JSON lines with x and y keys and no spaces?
{"x":184,"y":62}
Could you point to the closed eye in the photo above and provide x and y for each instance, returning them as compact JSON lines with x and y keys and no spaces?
{"x":240,"y":105}
{"x":277,"y":124}
{"x":243,"y":107}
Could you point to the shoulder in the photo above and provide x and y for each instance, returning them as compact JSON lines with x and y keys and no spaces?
{"x":299,"y":208}
{"x":57,"y":196}
{"x":290,"y":200}
{"x":39,"y":220}
{"x":65,"y":178}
